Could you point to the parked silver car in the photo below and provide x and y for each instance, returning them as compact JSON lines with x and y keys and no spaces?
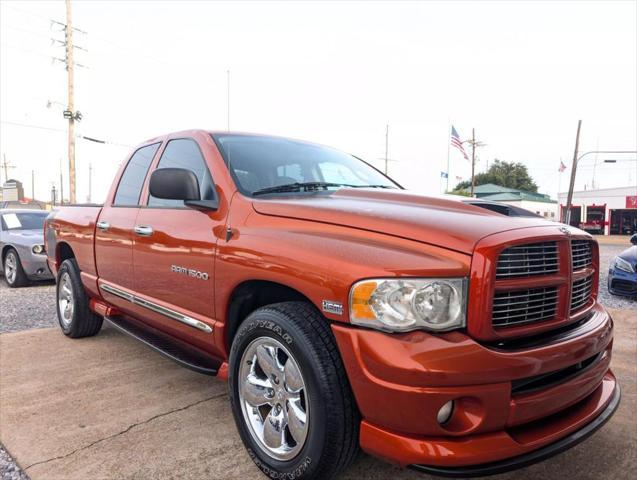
{"x":22,"y":246}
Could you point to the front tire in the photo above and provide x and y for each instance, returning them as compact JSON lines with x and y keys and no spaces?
{"x":75,"y":317}
{"x":290,"y":396}
{"x":13,"y":272}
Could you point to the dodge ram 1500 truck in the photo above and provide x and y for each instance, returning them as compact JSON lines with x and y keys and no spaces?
{"x":344,"y":311}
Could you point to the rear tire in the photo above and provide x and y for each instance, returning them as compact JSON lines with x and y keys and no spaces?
{"x":13,"y":272}
{"x":284,"y":357}
{"x":75,"y":317}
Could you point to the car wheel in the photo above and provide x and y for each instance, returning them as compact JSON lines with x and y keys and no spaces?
{"x":290,"y":396}
{"x":74,"y":315}
{"x":13,"y":271}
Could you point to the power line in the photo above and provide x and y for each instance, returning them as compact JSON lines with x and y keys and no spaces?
{"x":53,"y":129}
{"x":32,"y":52}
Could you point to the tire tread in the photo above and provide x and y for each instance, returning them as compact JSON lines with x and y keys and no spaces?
{"x":86,"y":322}
{"x":316,"y":330}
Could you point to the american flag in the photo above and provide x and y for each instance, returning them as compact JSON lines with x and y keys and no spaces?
{"x":456,"y":142}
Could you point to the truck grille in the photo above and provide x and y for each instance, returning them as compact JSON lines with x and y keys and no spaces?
{"x":528,"y":260}
{"x":524,"y":306}
{"x":581,"y":253}
{"x":581,"y":293}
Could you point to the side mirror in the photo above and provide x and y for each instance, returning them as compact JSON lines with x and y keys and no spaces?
{"x":174,"y":184}
{"x":633,"y":239}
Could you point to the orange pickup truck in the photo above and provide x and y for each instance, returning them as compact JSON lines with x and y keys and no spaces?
{"x":345,"y":312}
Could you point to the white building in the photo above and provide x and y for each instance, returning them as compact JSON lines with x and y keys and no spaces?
{"x":608,"y":211}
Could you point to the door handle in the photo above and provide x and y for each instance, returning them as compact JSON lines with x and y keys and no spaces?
{"x":103,"y":226}
{"x":143,"y":230}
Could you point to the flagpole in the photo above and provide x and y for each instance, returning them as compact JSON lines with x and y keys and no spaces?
{"x":448,"y":147}
{"x":559,"y":180}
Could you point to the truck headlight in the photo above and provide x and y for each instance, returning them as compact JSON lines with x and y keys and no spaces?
{"x":404,"y":304}
{"x":38,"y":249}
{"x":623,"y":265}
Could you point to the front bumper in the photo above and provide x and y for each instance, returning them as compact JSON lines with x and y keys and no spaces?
{"x":34,"y":265}
{"x":622,"y":283}
{"x":534,"y":456}
{"x":401,"y":381}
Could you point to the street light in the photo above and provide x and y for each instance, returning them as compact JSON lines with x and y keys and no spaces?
{"x":569,"y":198}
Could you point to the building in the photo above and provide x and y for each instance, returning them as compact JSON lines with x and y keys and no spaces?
{"x":607,"y":211}
{"x":12,"y":191}
{"x":538,"y":203}
{"x":12,"y":196}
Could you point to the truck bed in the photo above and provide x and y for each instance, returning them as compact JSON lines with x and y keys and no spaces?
{"x":73,"y":225}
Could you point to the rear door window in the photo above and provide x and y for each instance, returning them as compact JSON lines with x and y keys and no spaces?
{"x":130,"y":185}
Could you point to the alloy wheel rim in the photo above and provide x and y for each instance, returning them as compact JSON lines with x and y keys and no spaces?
{"x":273,"y":398}
{"x":10,"y":268}
{"x":65,"y":299}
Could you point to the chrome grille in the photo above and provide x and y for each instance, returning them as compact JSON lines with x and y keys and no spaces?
{"x":524,"y":306}
{"x":581,"y":293}
{"x":526,"y":260}
{"x":582,"y":254}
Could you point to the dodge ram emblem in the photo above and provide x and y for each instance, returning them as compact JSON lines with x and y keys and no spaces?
{"x":565,"y":231}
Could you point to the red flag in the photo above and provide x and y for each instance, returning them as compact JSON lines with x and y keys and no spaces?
{"x":562,"y":166}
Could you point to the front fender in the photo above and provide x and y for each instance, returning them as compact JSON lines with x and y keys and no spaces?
{"x":322,"y":261}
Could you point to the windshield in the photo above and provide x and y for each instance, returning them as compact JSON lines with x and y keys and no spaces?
{"x":260,"y":164}
{"x":23,"y":221}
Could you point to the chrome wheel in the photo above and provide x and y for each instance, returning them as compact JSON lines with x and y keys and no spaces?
{"x":273,"y":398}
{"x":10,"y":267}
{"x":65,"y":299}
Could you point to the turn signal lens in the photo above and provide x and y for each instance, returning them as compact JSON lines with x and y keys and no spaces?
{"x":400,"y":305}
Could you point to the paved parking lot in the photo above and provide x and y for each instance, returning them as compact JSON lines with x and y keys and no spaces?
{"x":108,"y":407}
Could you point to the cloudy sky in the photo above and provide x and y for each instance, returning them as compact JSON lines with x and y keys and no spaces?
{"x":520,"y":73}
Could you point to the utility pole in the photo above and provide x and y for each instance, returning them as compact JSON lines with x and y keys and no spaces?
{"x":71,"y":101}
{"x":32,"y":184}
{"x":61,"y":184}
{"x":6,"y":166}
{"x":569,"y":198}
{"x":90,"y":181}
{"x":474,"y":144}
{"x":386,"y":147}
{"x":473,"y":160}
{"x":228,"y":94}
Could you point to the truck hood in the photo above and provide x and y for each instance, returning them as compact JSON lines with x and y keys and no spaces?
{"x":446,"y":223}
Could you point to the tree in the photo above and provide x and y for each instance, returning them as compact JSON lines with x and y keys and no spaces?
{"x":505,"y":174}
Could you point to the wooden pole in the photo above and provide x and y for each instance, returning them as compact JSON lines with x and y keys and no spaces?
{"x":61,"y":184}
{"x":228,"y":94}
{"x":71,"y":100}
{"x":473,"y":160}
{"x":569,"y":198}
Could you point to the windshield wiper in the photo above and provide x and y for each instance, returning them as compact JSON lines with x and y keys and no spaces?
{"x":299,"y":186}
{"x":310,"y":186}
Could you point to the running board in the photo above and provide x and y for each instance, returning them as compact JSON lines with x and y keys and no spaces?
{"x":167,"y":346}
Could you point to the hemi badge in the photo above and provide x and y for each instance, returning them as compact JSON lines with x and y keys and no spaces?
{"x":330,"y":306}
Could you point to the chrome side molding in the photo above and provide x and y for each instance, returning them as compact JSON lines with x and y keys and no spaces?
{"x":167,"y":312}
